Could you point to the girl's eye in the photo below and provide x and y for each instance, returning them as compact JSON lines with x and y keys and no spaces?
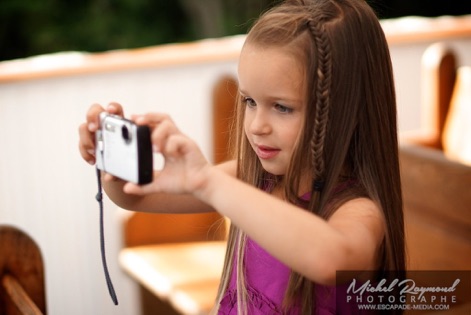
{"x":283,"y":109}
{"x":249,"y":102}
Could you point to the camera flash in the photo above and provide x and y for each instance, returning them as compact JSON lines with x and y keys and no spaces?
{"x":109,"y":127}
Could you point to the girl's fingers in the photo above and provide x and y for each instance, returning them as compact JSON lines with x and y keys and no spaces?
{"x":134,"y":189}
{"x":93,"y":114}
{"x":150,"y":119}
{"x":115,"y":109}
{"x":86,"y":144}
{"x":92,"y":124}
{"x":176,"y":145}
{"x":109,"y":178}
{"x":162,"y":127}
{"x":161,"y":134}
{"x":93,"y":117}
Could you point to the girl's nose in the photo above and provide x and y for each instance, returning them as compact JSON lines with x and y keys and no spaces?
{"x":260,"y":123}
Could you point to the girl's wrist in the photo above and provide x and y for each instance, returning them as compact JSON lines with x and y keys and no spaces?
{"x":204,"y":190}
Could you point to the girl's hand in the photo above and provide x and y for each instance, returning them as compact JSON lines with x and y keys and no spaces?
{"x":90,"y":126}
{"x":185,"y":169}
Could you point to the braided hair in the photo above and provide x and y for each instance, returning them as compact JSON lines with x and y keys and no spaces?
{"x":324,"y":80}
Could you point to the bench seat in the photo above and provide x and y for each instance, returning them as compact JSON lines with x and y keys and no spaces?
{"x":184,"y":274}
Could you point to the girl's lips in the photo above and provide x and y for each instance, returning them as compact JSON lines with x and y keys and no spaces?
{"x":265,"y":152}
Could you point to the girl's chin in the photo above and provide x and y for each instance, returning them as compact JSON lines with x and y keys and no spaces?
{"x":272,"y":169}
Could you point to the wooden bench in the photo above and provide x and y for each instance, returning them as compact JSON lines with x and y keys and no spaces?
{"x":184,"y":274}
{"x":22,"y":289}
{"x":178,"y":258}
{"x":436,"y":172}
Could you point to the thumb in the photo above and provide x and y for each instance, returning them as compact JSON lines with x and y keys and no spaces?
{"x":134,"y":189}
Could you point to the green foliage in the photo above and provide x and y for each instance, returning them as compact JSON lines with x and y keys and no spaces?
{"x":31,"y":27}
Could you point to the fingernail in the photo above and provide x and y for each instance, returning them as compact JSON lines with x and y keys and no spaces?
{"x":91,"y":127}
{"x":111,"y":108}
{"x":91,"y":162}
{"x":91,"y":152}
{"x":155,"y":148}
{"x":126,"y":188}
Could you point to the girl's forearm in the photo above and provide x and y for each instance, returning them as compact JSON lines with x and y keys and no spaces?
{"x":154,"y":203}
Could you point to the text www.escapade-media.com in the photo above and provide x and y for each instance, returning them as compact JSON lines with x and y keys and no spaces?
{"x":404,"y":307}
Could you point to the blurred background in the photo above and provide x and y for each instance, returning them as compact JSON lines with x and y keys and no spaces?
{"x":34,"y":27}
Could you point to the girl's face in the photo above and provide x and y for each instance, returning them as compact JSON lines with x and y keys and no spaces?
{"x":272,"y":88}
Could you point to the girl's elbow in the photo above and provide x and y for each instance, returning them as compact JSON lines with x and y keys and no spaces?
{"x":324,"y":271}
{"x":321,"y":273}
{"x":344,"y":259}
{"x":327,"y":276}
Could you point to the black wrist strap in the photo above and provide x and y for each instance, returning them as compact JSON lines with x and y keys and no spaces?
{"x":99,"y":198}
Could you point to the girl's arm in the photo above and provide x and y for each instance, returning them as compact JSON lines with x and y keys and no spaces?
{"x":160,"y":202}
{"x":349,"y":240}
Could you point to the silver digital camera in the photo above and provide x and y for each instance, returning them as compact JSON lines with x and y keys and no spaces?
{"x":124,"y":149}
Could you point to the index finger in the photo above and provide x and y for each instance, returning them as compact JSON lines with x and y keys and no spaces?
{"x":93,"y":117}
{"x":115,"y":109}
{"x":93,"y":114}
{"x":151,"y":119}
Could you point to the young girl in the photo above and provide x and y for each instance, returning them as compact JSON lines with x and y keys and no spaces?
{"x":314,"y":187}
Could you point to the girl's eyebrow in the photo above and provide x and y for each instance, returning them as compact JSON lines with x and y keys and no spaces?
{"x":242,"y":92}
{"x":276,"y":97}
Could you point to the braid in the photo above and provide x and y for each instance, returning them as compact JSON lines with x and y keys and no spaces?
{"x":299,"y":284}
{"x":324,"y":80}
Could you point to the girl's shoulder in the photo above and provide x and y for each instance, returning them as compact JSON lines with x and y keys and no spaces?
{"x":362,"y":222}
{"x":351,"y":202}
{"x":359,"y":206}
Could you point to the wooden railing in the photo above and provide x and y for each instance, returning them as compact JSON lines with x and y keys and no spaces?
{"x":398,"y":31}
{"x":76,"y":63}
{"x":413,"y":30}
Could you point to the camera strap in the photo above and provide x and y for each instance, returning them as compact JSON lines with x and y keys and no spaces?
{"x":99,"y":198}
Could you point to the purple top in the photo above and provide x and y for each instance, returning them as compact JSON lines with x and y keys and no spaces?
{"x":267,"y":281}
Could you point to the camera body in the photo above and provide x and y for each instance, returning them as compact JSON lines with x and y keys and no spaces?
{"x":124,"y":149}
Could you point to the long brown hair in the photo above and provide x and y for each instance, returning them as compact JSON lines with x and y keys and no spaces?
{"x":350,"y":127}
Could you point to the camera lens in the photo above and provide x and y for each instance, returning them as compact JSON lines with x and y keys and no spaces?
{"x":125,"y":134}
